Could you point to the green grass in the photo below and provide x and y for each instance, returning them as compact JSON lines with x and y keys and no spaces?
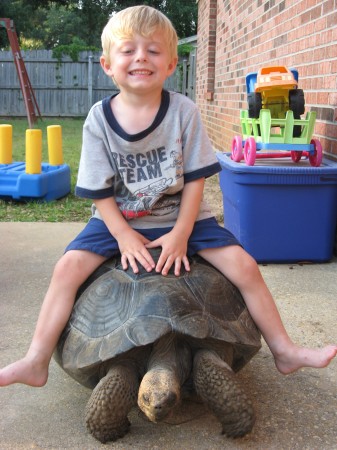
{"x":67,"y":209}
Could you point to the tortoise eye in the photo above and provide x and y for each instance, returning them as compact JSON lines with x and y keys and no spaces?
{"x":146,"y":399}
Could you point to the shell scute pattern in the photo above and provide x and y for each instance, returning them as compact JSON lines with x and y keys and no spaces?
{"x":118,"y":311}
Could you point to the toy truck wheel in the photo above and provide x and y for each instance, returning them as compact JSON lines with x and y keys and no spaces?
{"x":296,"y":156}
{"x":254,"y":104}
{"x":250,"y":151}
{"x":297,"y":106}
{"x":236,"y":148}
{"x":296,"y":102}
{"x":315,"y":158}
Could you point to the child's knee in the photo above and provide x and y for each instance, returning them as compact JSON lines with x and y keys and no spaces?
{"x":68,"y":266}
{"x":249,"y":270}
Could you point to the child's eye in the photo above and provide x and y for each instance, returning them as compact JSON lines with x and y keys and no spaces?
{"x":126,"y":51}
{"x":154,"y":52}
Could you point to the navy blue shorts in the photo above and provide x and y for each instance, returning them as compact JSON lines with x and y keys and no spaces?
{"x":96,"y":238}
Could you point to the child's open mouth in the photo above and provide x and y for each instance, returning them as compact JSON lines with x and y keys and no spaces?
{"x":140,"y":72}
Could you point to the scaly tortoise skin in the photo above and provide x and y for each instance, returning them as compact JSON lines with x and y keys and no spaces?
{"x":142,"y":336}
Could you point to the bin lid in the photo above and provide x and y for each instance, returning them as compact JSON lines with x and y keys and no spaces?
{"x":283,"y":165}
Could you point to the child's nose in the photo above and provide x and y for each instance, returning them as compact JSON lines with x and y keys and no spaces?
{"x":141,"y":55}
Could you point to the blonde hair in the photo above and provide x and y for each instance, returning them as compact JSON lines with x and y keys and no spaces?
{"x":142,"y":20}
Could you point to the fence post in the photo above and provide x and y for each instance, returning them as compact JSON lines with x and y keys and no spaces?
{"x":184,"y":83}
{"x":90,"y":66}
{"x":191,"y":75}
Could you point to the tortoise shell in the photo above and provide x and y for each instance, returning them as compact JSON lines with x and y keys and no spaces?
{"x":118,"y":311}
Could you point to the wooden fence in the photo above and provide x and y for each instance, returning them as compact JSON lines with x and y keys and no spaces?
{"x":66,"y":88}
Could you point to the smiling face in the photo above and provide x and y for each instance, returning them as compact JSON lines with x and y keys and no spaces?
{"x":139,"y":48}
{"x":139,"y":62}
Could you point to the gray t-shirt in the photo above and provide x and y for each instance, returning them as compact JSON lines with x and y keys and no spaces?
{"x":146,"y":172}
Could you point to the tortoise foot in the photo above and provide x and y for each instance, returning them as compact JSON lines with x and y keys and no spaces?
{"x":110,"y":403}
{"x":215,"y":383}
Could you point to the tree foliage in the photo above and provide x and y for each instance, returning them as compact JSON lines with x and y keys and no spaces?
{"x":53,"y":23}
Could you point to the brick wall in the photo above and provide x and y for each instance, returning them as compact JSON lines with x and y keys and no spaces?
{"x":236,"y":37}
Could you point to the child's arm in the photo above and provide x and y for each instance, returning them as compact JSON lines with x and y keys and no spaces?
{"x":131,"y":243}
{"x":174,"y":243}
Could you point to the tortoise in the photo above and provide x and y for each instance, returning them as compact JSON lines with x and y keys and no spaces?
{"x":145,"y":336}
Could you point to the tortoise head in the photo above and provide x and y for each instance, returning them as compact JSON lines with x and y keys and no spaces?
{"x":159,"y":394}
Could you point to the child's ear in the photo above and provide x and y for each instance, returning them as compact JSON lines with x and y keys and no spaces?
{"x":172,"y":66}
{"x":106,"y":67}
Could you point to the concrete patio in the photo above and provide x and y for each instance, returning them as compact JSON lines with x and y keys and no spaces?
{"x":294,"y":412}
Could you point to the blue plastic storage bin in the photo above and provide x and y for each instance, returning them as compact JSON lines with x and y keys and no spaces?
{"x":281,"y":211}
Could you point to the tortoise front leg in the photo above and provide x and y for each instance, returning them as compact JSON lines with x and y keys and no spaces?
{"x":110,"y":403}
{"x":215,"y":383}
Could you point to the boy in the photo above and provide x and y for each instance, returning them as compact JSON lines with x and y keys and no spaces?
{"x":144,"y":160}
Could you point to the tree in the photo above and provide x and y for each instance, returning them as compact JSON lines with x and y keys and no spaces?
{"x":182,"y":13}
{"x":30,"y":18}
{"x":61,"y":27}
{"x":60,"y":22}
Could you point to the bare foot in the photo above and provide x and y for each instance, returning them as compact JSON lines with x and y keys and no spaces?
{"x":25,"y":371}
{"x":304,"y":357}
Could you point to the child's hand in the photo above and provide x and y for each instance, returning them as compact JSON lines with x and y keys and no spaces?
{"x":132,"y":247}
{"x":174,"y":249}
